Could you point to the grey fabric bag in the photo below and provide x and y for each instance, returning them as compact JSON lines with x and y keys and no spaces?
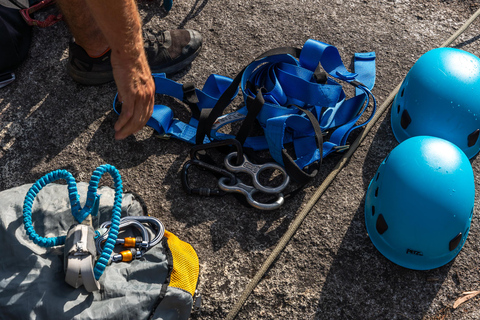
{"x":32,"y":282}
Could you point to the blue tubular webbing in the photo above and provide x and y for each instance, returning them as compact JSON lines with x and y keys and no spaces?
{"x":79,"y":213}
{"x":287,"y":80}
{"x":163,"y":120}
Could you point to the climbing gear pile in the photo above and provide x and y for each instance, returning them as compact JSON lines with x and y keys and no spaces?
{"x":295,"y":97}
{"x":161,"y":284}
{"x":440,"y":97}
{"x":419,"y":204}
{"x":235,"y":163}
{"x":328,"y":180}
{"x":80,"y":249}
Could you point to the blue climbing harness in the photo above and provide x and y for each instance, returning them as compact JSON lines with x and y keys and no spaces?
{"x":293,"y":94}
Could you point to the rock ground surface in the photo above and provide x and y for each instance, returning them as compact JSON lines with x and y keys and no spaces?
{"x":330,"y":269}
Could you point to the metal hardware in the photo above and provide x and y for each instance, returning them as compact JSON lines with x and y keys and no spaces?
{"x":248,"y":192}
{"x":254,"y":171}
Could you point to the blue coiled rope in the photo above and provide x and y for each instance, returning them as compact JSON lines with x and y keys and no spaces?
{"x":78,"y":212}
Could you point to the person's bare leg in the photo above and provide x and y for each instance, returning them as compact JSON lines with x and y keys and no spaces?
{"x":83,"y":27}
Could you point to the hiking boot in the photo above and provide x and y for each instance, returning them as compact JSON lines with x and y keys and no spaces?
{"x":167,"y":52}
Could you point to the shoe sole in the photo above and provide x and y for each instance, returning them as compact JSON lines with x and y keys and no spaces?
{"x":89,"y":78}
{"x":98,"y":78}
{"x":174,"y":68}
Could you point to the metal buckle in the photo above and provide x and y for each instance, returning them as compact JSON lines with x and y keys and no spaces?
{"x":163,"y":136}
{"x":254,"y":171}
{"x":341,"y":148}
{"x":248,"y":192}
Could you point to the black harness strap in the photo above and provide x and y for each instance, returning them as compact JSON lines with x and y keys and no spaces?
{"x":208,"y":116}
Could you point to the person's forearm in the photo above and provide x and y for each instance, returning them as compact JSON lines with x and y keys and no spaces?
{"x":120,"y":24}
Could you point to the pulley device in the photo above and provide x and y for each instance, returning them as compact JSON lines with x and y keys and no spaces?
{"x":294,"y":98}
{"x":82,"y":242}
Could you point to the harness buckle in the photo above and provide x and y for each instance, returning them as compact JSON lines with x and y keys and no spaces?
{"x":346,"y":76}
{"x":163,"y":136}
{"x":341,"y":148}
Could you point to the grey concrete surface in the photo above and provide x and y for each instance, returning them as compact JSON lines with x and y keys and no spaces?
{"x":330,"y":269}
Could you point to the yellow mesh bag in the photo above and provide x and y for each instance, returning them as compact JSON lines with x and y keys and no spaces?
{"x":185,"y":264}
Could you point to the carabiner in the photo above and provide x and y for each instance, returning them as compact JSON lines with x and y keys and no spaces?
{"x":203,"y":191}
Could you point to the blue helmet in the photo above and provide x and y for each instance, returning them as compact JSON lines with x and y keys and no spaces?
{"x":419,"y":204}
{"x":440,"y":97}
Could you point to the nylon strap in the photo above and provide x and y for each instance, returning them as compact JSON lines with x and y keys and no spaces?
{"x":206,"y":124}
{"x":273,"y":85}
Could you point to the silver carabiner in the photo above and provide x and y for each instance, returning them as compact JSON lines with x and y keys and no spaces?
{"x":254,"y":171}
{"x":248,"y":192}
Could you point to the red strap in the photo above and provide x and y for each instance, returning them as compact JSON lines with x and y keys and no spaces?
{"x":50,"y":20}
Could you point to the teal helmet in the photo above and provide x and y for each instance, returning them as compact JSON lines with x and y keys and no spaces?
{"x":419,"y":204}
{"x":440,"y":97}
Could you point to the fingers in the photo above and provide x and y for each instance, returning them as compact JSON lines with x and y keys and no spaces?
{"x":133,"y":117}
{"x":138,"y":101}
{"x":137,"y":89}
{"x":125,"y":115}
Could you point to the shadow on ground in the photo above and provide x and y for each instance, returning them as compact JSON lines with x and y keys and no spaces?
{"x":361,"y":280}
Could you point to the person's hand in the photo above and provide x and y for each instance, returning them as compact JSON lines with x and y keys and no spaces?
{"x":136,"y":89}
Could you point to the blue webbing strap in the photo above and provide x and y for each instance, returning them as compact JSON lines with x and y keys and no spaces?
{"x":209,"y":117}
{"x":287,"y":80}
{"x":352,"y":110}
{"x":162,"y":119}
{"x":79,"y":213}
{"x":300,"y":90}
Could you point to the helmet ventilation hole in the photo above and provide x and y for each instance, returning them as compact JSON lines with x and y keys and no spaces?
{"x":378,"y":175}
{"x":473,"y":137}
{"x":373,"y":210}
{"x":455,"y":242}
{"x":376,"y":192}
{"x":398,"y":109}
{"x":403,"y":91}
{"x":405,"y":120}
{"x":381,"y":224}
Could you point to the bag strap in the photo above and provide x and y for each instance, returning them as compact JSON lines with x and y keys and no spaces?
{"x":18,"y":4}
